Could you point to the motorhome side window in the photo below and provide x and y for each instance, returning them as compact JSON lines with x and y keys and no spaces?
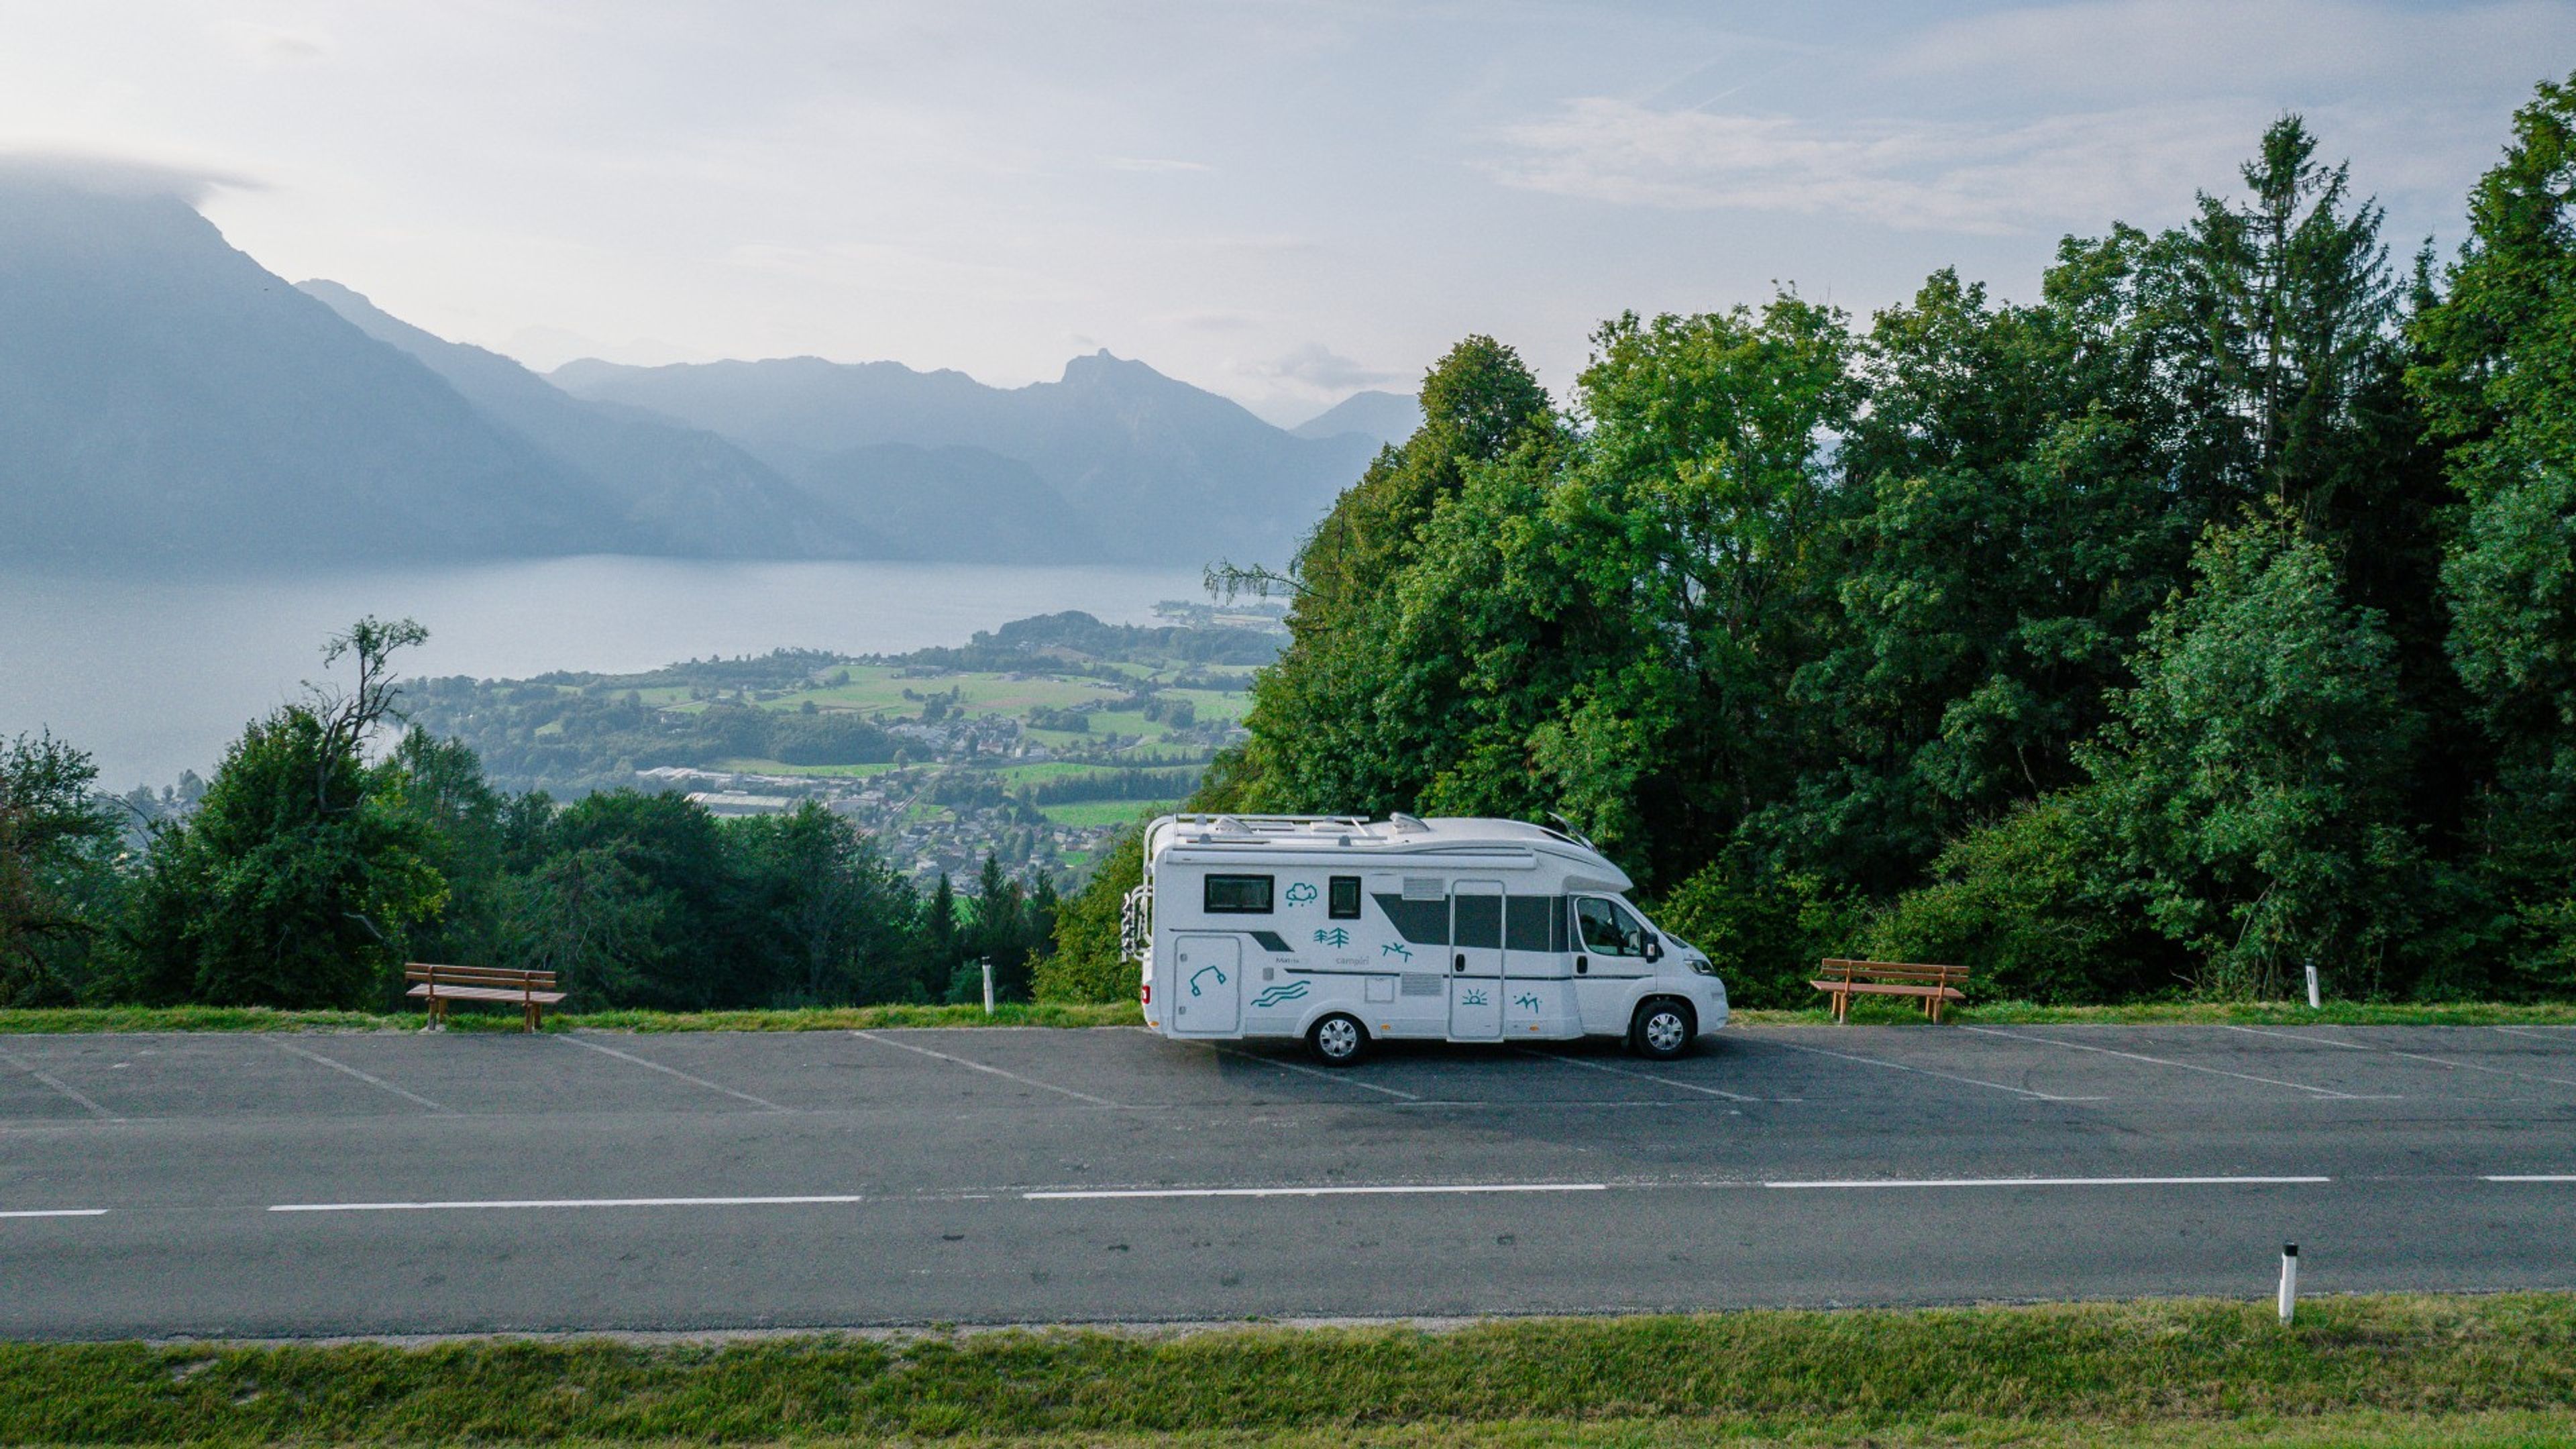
{"x":1608,"y":927}
{"x":1238,"y":895}
{"x":1345,"y":903}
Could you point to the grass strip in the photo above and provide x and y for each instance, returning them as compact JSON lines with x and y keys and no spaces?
{"x":463,"y":1017}
{"x":39,"y":1020}
{"x":2401,"y":1367}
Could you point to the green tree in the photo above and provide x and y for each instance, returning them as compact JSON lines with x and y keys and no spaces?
{"x":58,"y":876}
{"x":1085,"y":964}
{"x":295,"y":880}
{"x":830,"y":914}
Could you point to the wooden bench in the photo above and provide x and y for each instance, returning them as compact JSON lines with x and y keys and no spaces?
{"x":534,"y":991}
{"x":1934,"y":985}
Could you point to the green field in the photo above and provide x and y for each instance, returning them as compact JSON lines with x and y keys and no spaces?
{"x":2412,"y":1370}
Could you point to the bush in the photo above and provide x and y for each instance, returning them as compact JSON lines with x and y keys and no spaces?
{"x":1085,"y":965}
{"x":1763,"y":932}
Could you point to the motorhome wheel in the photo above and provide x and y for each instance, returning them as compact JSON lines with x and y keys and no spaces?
{"x":1337,"y":1040}
{"x":1663,"y":1030}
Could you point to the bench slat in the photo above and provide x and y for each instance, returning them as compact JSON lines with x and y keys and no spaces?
{"x":484,"y":993}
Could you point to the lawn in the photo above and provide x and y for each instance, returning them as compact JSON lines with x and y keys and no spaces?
{"x":2390,"y":1370}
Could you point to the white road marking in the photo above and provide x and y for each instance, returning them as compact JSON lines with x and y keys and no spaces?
{"x":372,"y":1081}
{"x":2410,"y":1056}
{"x":559,"y":1202}
{"x":2054,"y":1182}
{"x":761,"y":1102}
{"x":2529,"y":1177}
{"x":2169,"y":1062}
{"x":49,"y":1080}
{"x":55,"y":1213}
{"x":1640,"y":1076}
{"x":1923,"y":1071}
{"x":2545,"y":1033}
{"x":1385,"y":1191}
{"x":995,"y":1071}
{"x":1342,"y":1077}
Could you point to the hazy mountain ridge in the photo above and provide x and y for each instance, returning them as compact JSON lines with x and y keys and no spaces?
{"x":1160,"y":469}
{"x":1381,"y":417}
{"x":163,"y":396}
{"x":690,"y":489}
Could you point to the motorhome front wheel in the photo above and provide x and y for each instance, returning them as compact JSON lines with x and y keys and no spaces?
{"x":1663,"y":1030}
{"x":1337,"y":1040}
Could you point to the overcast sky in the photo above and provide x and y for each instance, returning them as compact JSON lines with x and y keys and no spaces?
{"x":1280,"y":201}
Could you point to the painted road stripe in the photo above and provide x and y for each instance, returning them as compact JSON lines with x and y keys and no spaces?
{"x":2529,"y":1177}
{"x":979,"y":1066}
{"x":2055,"y":1182}
{"x":370,"y":1080}
{"x":2077,"y":1046}
{"x":1640,"y":1076}
{"x":1920,"y":1071}
{"x":1344,"y":1079}
{"x":1387,"y":1191}
{"x":560,"y":1202}
{"x":2408,"y":1056}
{"x":49,"y":1080}
{"x":56,"y":1213}
{"x":761,"y":1102}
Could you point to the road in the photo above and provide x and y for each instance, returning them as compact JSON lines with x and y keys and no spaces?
{"x":405,"y":1183}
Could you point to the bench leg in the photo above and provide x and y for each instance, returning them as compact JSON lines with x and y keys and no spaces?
{"x":1842,"y":1008}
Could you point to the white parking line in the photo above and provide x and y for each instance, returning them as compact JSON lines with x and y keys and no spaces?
{"x":372,"y":1081}
{"x":55,"y":1213}
{"x":995,"y":1071}
{"x":1923,"y":1071}
{"x":2529,"y":1177}
{"x":1077,"y":1194}
{"x":49,"y":1080}
{"x":761,"y":1102}
{"x":2185,"y":1066}
{"x":559,"y":1202}
{"x":2053,"y":1182}
{"x":1640,"y":1076}
{"x":1344,"y":1078}
{"x":2544,"y":1033}
{"x":2409,"y":1056}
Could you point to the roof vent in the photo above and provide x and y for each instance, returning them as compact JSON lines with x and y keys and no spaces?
{"x":1407,"y":824}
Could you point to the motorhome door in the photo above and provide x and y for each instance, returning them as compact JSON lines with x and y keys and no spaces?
{"x":1206,"y":984}
{"x":1476,"y":960}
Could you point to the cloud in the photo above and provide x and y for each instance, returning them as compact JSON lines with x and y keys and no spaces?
{"x":1152,"y":163}
{"x":1956,"y":176}
{"x":1320,"y":368}
{"x":109,"y":175}
{"x":875,"y":267}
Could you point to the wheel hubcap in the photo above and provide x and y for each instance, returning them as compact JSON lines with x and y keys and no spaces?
{"x":1664,"y":1031}
{"x":1338,"y":1039}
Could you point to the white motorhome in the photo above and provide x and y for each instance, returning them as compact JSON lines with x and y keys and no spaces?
{"x":1343,"y":931}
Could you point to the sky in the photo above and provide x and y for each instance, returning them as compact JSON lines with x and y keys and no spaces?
{"x":1283,"y":202}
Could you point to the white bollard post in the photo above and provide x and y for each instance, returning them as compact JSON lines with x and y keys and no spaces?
{"x":988,"y":986}
{"x":2289,"y":1281}
{"x":2313,"y":1003}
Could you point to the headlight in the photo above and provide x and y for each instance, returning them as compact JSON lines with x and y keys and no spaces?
{"x":1699,"y":966}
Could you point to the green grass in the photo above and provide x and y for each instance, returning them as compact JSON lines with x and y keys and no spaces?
{"x":33,"y":1020}
{"x":2413,"y":1370}
{"x":1085,"y":814}
{"x":25,"y":1021}
{"x":2191,"y":1013}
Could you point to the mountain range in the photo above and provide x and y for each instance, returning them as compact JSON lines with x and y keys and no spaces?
{"x":164,"y":397}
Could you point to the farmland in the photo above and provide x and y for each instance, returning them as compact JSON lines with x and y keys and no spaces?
{"x":1031,"y":743}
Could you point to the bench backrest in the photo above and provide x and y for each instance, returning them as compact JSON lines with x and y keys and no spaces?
{"x":1897,"y":973}
{"x":500,"y":976}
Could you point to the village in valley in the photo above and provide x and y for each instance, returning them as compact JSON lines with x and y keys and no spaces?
{"x":1033,"y":743}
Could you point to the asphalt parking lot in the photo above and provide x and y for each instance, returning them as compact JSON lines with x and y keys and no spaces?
{"x":407,"y":1183}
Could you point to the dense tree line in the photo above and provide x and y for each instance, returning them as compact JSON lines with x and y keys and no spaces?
{"x":313,"y":866}
{"x":2209,"y":616}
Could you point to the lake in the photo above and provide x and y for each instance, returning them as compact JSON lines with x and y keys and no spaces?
{"x":156,"y":673}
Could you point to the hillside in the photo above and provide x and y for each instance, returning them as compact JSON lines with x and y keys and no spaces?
{"x":687,"y":489}
{"x":162,"y":396}
{"x":1161,"y":470}
{"x":1381,"y":417}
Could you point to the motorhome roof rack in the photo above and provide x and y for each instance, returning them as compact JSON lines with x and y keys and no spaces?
{"x":1237,"y":826}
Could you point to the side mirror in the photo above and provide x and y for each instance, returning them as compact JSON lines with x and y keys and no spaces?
{"x":1654,"y":948}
